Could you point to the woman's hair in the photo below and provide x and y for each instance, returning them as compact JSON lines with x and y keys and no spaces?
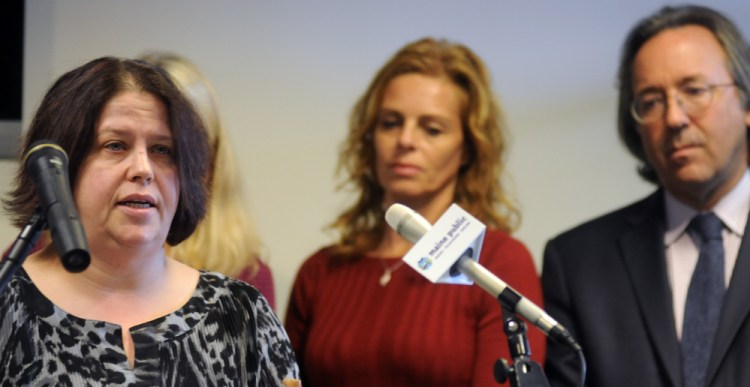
{"x":226,"y":240}
{"x":479,"y":189}
{"x":68,"y":116}
{"x":730,"y":38}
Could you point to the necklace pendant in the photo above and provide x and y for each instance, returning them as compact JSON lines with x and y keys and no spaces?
{"x":385,"y":278}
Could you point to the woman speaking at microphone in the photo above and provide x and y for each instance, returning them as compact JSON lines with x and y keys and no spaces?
{"x":138,"y":165}
{"x":427,"y":133}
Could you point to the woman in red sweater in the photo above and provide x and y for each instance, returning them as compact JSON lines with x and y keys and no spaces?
{"x":428,"y":132}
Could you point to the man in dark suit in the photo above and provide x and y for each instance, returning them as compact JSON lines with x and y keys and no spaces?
{"x":653,"y":298}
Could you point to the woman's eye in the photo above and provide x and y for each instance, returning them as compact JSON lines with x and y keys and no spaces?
{"x":162,"y":150}
{"x":115,"y":146}
{"x":432,"y":131}
{"x":388,"y":124}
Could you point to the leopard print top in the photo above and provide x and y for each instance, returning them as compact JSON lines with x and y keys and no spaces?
{"x":225,"y":335}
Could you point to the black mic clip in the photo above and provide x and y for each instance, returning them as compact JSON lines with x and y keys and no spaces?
{"x":524,"y":372}
{"x":21,"y":247}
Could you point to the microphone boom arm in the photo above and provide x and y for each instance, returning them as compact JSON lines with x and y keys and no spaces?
{"x":21,"y":247}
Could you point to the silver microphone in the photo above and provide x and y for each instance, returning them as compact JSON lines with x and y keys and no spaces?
{"x":412,"y":226}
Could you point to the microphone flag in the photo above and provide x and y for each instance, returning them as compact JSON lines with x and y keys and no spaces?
{"x":455,"y":234}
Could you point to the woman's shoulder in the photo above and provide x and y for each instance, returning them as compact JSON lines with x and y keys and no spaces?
{"x":218,"y":289}
{"x":224,"y":284}
{"x":225,"y":298}
{"x":501,"y":250}
{"x":12,"y":303}
{"x":323,"y":254}
{"x":498,"y":239}
{"x":320,"y":259}
{"x":21,"y":296}
{"x":239,"y":309}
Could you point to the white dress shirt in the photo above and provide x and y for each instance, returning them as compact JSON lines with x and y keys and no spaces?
{"x":682,"y":252}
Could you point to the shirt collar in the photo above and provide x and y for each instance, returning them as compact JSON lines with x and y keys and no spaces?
{"x":732,"y":209}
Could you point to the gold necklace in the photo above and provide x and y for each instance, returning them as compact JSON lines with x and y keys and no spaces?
{"x":385,"y":278}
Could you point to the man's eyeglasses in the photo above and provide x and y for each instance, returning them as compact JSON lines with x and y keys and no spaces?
{"x":694,"y":98}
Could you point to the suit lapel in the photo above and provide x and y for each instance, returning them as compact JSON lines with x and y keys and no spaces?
{"x":643,"y":253}
{"x":735,"y":309}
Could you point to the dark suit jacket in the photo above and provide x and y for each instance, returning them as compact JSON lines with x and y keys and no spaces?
{"x":606,"y":281}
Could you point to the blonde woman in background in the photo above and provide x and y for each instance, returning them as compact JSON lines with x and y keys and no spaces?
{"x":226,"y":241}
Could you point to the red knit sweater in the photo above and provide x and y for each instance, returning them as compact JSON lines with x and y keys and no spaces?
{"x":347,"y":330}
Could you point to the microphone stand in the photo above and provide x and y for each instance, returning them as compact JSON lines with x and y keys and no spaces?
{"x":21,"y":247}
{"x":524,"y":372}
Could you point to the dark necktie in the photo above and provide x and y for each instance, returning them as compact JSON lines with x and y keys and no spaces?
{"x":704,"y":300}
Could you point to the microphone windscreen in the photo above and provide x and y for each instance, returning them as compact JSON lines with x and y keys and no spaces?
{"x":407,"y":222}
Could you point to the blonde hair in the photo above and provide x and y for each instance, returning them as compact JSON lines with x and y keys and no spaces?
{"x":225,"y":241}
{"x":479,"y":189}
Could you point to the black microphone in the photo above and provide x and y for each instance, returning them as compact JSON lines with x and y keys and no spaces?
{"x":47,"y":164}
{"x":412,"y":226}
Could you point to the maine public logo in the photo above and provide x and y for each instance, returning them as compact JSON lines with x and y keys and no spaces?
{"x":425,"y":263}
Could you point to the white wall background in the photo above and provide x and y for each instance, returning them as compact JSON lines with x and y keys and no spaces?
{"x":287,"y":73}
